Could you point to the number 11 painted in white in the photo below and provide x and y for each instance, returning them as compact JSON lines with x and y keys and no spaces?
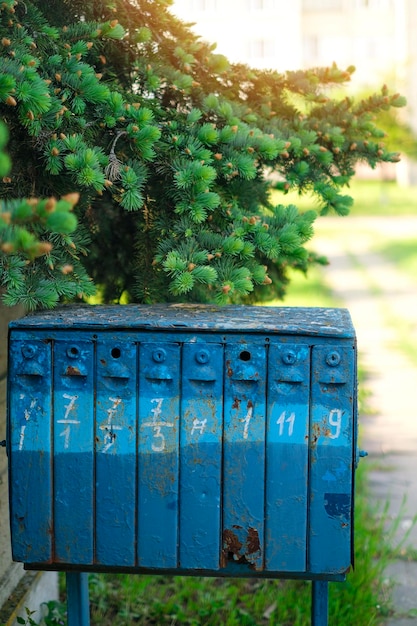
{"x":283,"y":419}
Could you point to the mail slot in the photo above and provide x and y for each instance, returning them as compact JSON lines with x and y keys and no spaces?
{"x":183,"y":439}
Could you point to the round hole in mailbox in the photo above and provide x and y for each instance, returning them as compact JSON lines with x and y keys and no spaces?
{"x":73,"y":352}
{"x":116,"y":353}
{"x":245,"y":355}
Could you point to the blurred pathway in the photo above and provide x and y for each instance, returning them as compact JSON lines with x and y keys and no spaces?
{"x":383,"y":305}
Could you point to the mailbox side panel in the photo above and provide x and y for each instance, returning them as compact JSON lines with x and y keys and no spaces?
{"x":287,"y":457}
{"x":73,"y":421}
{"x":116,"y":452}
{"x":244,"y":455}
{"x":332,"y":436}
{"x":29,"y":410}
{"x":159,"y":406}
{"x":201,"y":456}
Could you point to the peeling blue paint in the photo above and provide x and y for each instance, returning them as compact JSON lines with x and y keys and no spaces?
{"x":183,"y":439}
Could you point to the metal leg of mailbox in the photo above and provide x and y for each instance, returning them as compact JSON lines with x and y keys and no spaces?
{"x":78,"y":604}
{"x":319,"y":607}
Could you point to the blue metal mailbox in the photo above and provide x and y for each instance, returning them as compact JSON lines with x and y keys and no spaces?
{"x":183,"y":438}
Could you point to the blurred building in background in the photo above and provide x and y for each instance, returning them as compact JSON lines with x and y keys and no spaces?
{"x":376,"y":36}
{"x":262,"y":33}
{"x":368,"y":34}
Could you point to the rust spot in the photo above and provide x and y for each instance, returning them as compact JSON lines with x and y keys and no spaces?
{"x":319,"y":430}
{"x":316,"y":430}
{"x":231,"y":542}
{"x":231,"y":547}
{"x":250,"y":404}
{"x":253,"y":541}
{"x":315,"y":434}
{"x":103,"y":361}
{"x":72,"y":371}
{"x":236,"y":404}
{"x":238,"y":552}
{"x":229,"y":369}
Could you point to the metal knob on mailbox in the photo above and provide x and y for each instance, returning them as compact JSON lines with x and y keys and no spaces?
{"x":218,"y":441}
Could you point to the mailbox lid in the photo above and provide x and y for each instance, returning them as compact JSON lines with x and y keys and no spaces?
{"x":313,"y":321}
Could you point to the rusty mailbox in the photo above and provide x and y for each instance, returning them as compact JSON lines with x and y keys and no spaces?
{"x":186,"y":439}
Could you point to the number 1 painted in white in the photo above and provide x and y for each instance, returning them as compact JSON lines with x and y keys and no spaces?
{"x":22,"y":436}
{"x":27,"y":414}
{"x":66,"y":433}
{"x":283,"y":419}
{"x":246,"y":421}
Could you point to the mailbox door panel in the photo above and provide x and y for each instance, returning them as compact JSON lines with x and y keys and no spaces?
{"x":116,"y":435}
{"x":73,"y":450}
{"x":331,"y":441}
{"x":30,"y":400}
{"x":244,"y":454}
{"x":159,"y":406}
{"x":287,"y":457}
{"x":200,"y":456}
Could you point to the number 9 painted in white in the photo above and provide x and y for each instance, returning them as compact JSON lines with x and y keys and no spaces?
{"x":335,"y":420}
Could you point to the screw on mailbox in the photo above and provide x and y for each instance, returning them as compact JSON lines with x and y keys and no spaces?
{"x":159,"y":355}
{"x":333,"y":359}
{"x":289,"y":358}
{"x":202,"y":356}
{"x":29,"y":351}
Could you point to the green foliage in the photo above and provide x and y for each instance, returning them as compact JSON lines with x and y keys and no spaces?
{"x":39,"y":261}
{"x":54,"y":614}
{"x":398,"y":133}
{"x":174,"y":152}
{"x":28,"y":620}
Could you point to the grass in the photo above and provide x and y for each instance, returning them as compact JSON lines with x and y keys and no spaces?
{"x":371,"y":198}
{"x":403,"y":329}
{"x":402,"y":253}
{"x":382,"y":198}
{"x":307,"y":290}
